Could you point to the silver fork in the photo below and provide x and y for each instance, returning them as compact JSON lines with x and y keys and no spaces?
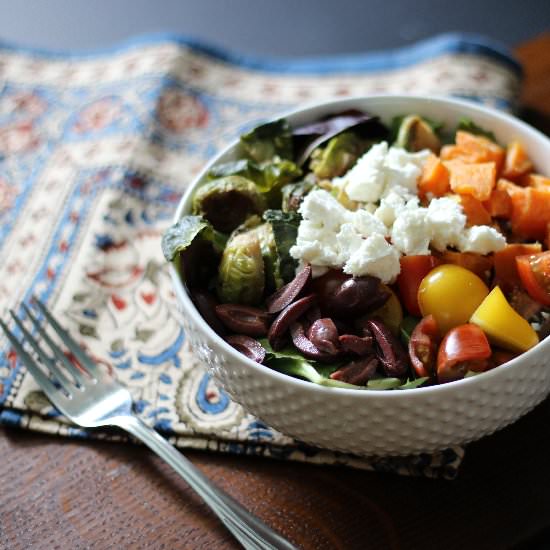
{"x":91,"y":398}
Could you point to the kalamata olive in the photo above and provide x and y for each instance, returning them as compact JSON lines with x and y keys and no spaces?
{"x":392,"y":356}
{"x":357,"y":372}
{"x":243,"y":319}
{"x":341,"y":295}
{"x":247,"y":346}
{"x":324,"y":336}
{"x":289,"y":292}
{"x":360,"y":345}
{"x":277,"y":331}
{"x":306,"y":347}
{"x":206,"y":304}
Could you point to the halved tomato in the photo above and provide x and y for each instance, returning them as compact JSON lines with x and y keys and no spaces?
{"x":423,"y":347}
{"x":464,"y":348}
{"x":534,"y":272}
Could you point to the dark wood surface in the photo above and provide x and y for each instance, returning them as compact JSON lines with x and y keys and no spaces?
{"x":71,"y":494}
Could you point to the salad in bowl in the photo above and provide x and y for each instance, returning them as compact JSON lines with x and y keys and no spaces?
{"x":356,"y":262}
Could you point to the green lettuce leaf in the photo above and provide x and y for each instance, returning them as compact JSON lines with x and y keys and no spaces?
{"x":263,"y":143}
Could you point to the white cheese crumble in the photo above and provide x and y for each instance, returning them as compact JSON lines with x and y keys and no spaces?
{"x":384,"y":182}
{"x":380,"y":169}
{"x":481,"y":239}
{"x":374,"y":257}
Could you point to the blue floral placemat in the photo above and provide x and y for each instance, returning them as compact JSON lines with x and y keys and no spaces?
{"x":95,"y":151}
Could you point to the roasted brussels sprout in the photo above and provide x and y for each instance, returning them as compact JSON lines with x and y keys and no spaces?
{"x":227,"y":202}
{"x":269,"y":177}
{"x":338,"y":156}
{"x":416,"y":133}
{"x":241,"y":271}
{"x":273,"y":279}
{"x":273,"y":139}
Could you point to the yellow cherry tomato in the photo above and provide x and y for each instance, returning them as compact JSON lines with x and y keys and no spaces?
{"x":451,"y":294}
{"x":504,"y":326}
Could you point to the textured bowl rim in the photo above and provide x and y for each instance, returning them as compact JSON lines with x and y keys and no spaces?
{"x":190,"y":309}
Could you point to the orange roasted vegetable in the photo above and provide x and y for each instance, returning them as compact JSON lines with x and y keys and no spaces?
{"x":499,"y":204}
{"x":476,"y":213}
{"x":531,"y":212}
{"x":454,"y":152}
{"x":477,"y":180}
{"x":434,"y":178}
{"x":488,"y":150}
{"x":516,"y":163}
{"x":535,"y":180}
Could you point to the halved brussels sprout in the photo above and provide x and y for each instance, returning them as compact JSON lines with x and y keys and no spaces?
{"x":227,"y":202}
{"x":273,"y":279}
{"x":338,"y":156}
{"x":416,"y":133}
{"x":269,"y":176}
{"x":241,"y":272}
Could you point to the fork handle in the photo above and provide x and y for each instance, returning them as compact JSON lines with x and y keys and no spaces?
{"x":246,"y":527}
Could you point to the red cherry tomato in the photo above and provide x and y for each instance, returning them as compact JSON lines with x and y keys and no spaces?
{"x":464,"y":348}
{"x":413,"y":270}
{"x":423,"y":347}
{"x":534,"y":272}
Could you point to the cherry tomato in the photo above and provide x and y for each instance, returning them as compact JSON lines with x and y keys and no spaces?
{"x":451,"y":294}
{"x":534,"y":272}
{"x":413,"y":270}
{"x":464,"y":348}
{"x":423,"y":347}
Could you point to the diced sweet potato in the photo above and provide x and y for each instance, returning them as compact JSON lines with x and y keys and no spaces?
{"x":487,"y":149}
{"x":506,"y":272}
{"x":477,"y":180}
{"x":476,"y":213}
{"x":499,"y":204}
{"x":434,"y":178}
{"x":509,"y":186}
{"x":535,"y":180}
{"x":516,"y":163}
{"x":531,"y":212}
{"x":454,"y":152}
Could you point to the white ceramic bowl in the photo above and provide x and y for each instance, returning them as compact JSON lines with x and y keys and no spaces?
{"x":381,"y":422}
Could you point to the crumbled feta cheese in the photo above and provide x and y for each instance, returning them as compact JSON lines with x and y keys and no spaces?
{"x":367,"y":224}
{"x":404,"y":168}
{"x":349,"y":240}
{"x":380,"y":169}
{"x":393,"y":202}
{"x":447,"y":222}
{"x":481,"y":239}
{"x":366,"y":179}
{"x":321,"y":207}
{"x":374,"y":257}
{"x":411,"y":232}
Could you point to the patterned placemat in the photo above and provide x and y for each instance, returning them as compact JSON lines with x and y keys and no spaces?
{"x":95,"y":151}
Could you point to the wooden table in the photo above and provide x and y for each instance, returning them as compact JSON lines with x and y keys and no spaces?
{"x":67,"y":494}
